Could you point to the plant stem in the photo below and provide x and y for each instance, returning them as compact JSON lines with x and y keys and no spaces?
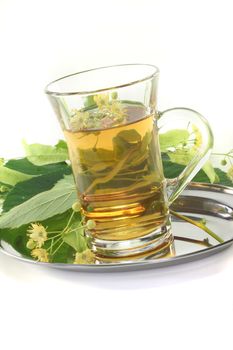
{"x":53,"y":232}
{"x":223,"y":154}
{"x":53,"y":244}
{"x":54,"y":236}
{"x":58,"y":248}
{"x":111,"y":174}
{"x":75,"y":229}
{"x":69,"y":221}
{"x":191,"y":240}
{"x":198,"y":224}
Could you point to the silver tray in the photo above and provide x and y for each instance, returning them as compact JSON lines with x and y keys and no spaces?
{"x":199,"y":201}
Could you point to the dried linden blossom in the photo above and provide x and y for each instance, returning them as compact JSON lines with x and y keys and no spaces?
{"x":112,"y":109}
{"x":76,"y":207}
{"x":198,"y":137}
{"x":37,"y":234}
{"x":90,"y":225}
{"x":40,"y":254}
{"x":109,"y":112}
{"x":79,"y":119}
{"x":86,"y":257}
{"x":102,"y":101}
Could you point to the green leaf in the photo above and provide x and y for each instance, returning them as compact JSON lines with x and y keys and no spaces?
{"x":76,"y":238}
{"x":25,"y":190}
{"x":184,"y":157}
{"x":201,"y":177}
{"x":12,"y":177}
{"x":42,"y":206}
{"x":90,"y":157}
{"x":65,"y":255}
{"x":210,"y":172}
{"x":146,"y":141}
{"x":24,"y":166}
{"x":18,"y":238}
{"x":4,"y":190}
{"x":173,"y":138}
{"x":170,"y":169}
{"x":129,"y":136}
{"x":44,"y":154}
{"x":124,"y":140}
{"x":222,"y":177}
{"x":62,"y":145}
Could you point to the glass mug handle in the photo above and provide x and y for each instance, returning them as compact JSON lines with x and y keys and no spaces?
{"x":183,"y":118}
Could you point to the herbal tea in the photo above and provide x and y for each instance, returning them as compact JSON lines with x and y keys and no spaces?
{"x":107,"y":118}
{"x":119,"y":177}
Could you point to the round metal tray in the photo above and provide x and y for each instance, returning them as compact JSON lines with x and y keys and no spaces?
{"x":199,"y":201}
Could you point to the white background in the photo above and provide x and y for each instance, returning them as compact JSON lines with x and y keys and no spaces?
{"x":185,"y":307}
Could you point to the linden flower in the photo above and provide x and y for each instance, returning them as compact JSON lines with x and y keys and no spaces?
{"x":102,"y":100}
{"x":40,"y":254}
{"x":31,"y":244}
{"x":86,"y":257}
{"x":38,"y":234}
{"x":76,"y":207}
{"x":114,"y":95}
{"x":90,"y":224}
{"x":117,"y":110}
{"x":198,"y":136}
{"x":79,"y":120}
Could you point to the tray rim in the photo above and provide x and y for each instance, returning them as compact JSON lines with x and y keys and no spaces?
{"x":139,"y":265}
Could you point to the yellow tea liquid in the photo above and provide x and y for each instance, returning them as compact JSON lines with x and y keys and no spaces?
{"x":119,"y":178}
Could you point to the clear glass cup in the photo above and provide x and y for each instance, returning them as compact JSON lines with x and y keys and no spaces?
{"x":111,"y":123}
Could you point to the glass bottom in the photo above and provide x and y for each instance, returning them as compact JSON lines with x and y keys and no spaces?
{"x":156,"y":242}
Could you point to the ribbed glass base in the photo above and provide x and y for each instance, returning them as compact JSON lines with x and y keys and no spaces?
{"x":155,"y":242}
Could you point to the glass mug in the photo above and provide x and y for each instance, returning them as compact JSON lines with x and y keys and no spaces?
{"x":111,"y":123}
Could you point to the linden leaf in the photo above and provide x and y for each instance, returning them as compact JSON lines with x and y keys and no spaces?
{"x":12,"y":177}
{"x":173,"y":138}
{"x":43,"y":154}
{"x":124,"y":140}
{"x":18,"y":238}
{"x":24,"y":166}
{"x":25,"y":190}
{"x":146,"y":141}
{"x":129,"y":136}
{"x":75,"y":238}
{"x":210,"y":172}
{"x":42,"y":206}
{"x":91,"y":157}
{"x":184,"y":157}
